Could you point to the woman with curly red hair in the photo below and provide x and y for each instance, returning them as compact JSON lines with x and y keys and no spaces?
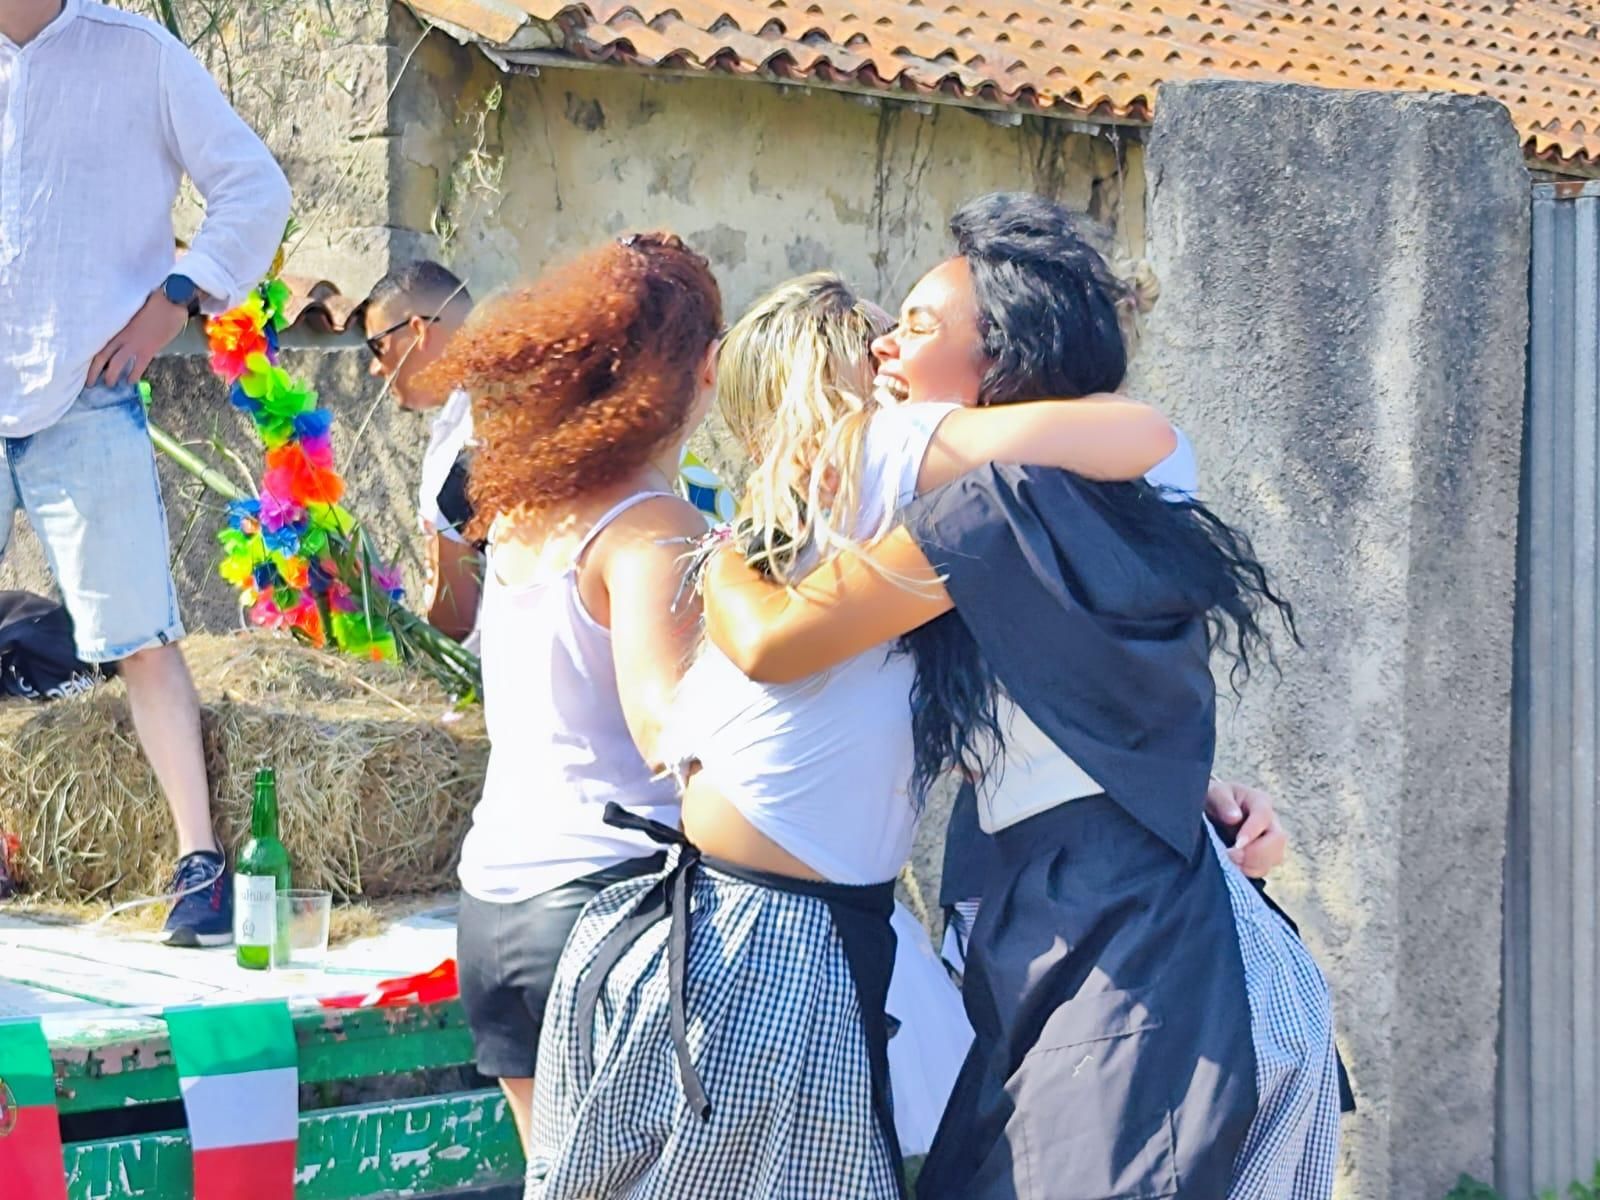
{"x":584,"y":388}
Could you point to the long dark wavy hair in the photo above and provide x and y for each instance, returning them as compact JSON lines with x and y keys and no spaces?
{"x":1048,"y":319}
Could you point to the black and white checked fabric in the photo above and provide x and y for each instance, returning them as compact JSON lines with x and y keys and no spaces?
{"x":1292,"y":1147}
{"x":775,"y":1034}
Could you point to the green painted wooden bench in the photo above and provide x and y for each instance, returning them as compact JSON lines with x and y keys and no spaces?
{"x":428,"y":1145}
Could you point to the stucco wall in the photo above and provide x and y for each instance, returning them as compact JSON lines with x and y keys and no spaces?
{"x":519,"y":171}
{"x":1341,"y":328}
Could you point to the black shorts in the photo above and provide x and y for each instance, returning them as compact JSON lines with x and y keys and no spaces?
{"x":506,"y":957}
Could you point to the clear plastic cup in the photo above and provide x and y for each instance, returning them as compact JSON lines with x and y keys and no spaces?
{"x":302,"y":936}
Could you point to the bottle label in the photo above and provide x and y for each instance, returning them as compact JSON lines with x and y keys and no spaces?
{"x":255,"y":909}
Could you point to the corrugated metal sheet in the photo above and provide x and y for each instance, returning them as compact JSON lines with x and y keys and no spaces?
{"x":1549,"y":1131}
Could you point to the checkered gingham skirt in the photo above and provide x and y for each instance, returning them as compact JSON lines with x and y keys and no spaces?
{"x":774,"y":1031}
{"x":1292,"y":1146}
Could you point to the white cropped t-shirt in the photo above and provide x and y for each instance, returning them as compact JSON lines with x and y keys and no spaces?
{"x":822,"y":766}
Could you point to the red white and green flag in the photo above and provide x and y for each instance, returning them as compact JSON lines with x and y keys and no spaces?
{"x":30,"y":1128}
{"x":237,"y":1069}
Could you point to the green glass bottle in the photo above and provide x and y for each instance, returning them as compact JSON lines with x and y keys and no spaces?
{"x":260,"y":875}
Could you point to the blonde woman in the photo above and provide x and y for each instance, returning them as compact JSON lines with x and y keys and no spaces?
{"x":719,"y":1027}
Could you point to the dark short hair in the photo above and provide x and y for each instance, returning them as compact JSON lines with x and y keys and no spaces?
{"x":427,"y":285}
{"x":1047,"y":301}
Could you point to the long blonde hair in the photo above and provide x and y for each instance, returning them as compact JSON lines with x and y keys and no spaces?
{"x":794,"y":384}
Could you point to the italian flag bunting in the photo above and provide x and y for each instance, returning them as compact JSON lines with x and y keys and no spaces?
{"x":237,"y":1070}
{"x":30,"y":1128}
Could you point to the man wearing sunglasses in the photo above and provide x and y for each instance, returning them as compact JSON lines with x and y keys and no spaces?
{"x":407,"y":320}
{"x":102,"y":114}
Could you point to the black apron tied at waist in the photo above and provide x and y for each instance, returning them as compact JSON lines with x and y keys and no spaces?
{"x":667,"y":897}
{"x":861,"y":915}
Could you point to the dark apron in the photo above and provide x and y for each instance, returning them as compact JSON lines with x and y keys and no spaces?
{"x":1112,"y":1053}
{"x":861,"y":915}
{"x":970,"y":856}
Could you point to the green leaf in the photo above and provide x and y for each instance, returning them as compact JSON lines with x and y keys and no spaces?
{"x":1468,"y":1188}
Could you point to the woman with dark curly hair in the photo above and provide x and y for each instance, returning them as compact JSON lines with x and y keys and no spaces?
{"x":584,"y":388}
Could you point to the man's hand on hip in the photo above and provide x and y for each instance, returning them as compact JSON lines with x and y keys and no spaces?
{"x":128,"y":353}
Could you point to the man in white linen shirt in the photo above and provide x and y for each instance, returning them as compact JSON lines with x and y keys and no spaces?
{"x":102,"y":113}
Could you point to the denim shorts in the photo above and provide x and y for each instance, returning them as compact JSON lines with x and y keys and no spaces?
{"x":88,"y":484}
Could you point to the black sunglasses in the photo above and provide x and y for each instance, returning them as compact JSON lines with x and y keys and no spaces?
{"x":375,"y":342}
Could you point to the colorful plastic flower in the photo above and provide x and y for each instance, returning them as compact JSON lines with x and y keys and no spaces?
{"x":389,"y":580}
{"x":236,"y":336}
{"x":313,"y":424}
{"x":308,"y":620}
{"x":294,"y":550}
{"x":341,"y":599}
{"x":277,"y":511}
{"x":277,"y":300}
{"x":242,"y":513}
{"x":314,"y":540}
{"x":292,"y":569}
{"x":292,"y":474}
{"x":265,"y":612}
{"x":239,"y":570}
{"x":318,"y":450}
{"x":284,"y":540}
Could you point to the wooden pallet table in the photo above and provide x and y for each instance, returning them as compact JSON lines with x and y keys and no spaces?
{"x":99,"y":998}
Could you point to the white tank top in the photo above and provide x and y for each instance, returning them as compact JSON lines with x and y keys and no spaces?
{"x":559,"y":745}
{"x":822,"y":766}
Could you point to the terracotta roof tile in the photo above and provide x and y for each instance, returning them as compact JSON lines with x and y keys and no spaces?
{"x":316,"y":306}
{"x":1541,"y":58}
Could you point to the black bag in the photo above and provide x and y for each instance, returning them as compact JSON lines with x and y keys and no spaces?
{"x":38,"y":657}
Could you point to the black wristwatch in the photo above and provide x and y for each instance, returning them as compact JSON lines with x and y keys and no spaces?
{"x":182,"y":291}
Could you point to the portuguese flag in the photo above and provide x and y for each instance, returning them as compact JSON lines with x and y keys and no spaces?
{"x":237,"y":1071}
{"x":30,"y":1129}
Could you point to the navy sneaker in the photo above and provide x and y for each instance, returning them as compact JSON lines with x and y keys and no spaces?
{"x":202,"y":912}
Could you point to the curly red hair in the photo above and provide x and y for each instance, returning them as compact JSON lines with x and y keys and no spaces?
{"x":578,"y":379}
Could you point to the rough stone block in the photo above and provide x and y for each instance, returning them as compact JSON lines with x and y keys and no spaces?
{"x":1341,"y":328}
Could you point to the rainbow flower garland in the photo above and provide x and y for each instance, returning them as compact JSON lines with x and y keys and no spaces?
{"x":299,"y":560}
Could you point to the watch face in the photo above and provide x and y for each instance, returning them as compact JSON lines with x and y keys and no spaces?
{"x":180,"y":289}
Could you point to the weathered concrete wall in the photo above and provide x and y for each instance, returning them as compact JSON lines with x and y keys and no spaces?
{"x":516,"y":172}
{"x":1341,"y":328}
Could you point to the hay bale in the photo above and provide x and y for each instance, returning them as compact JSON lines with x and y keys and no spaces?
{"x":376,"y":783}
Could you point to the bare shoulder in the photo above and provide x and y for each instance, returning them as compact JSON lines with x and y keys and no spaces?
{"x":651,"y":526}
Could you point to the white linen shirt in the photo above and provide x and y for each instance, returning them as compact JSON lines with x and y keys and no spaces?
{"x":101,"y":116}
